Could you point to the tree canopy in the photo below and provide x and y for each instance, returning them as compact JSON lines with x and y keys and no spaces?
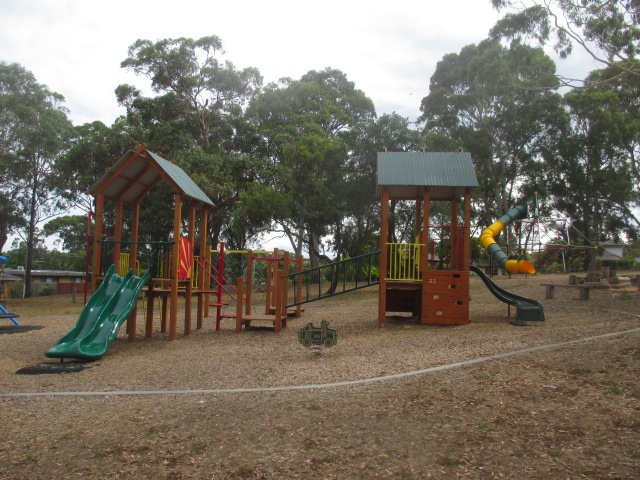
{"x":297,"y":157}
{"x":605,"y":29}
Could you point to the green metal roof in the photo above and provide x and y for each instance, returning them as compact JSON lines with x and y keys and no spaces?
{"x":134,"y":175}
{"x":184,"y":181}
{"x":446,"y":174}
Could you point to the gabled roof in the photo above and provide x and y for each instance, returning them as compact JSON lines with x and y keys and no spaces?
{"x":7,"y":277}
{"x":405,"y":173}
{"x":137,"y":172}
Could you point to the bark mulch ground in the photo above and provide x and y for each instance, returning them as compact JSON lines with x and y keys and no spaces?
{"x":556,"y":401}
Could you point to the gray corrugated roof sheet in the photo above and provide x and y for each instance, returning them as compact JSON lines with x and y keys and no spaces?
{"x":188,"y":186}
{"x":405,"y":173}
{"x":131,"y":177}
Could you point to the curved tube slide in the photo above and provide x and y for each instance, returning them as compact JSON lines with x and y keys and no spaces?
{"x":489,"y":243}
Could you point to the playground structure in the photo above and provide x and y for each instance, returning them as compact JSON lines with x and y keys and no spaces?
{"x":407,"y":274}
{"x":408,"y":280}
{"x":126,"y":183}
{"x":276,"y":292}
{"x":170,"y":268}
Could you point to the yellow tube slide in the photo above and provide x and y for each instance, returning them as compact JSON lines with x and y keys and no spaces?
{"x":489,"y":243}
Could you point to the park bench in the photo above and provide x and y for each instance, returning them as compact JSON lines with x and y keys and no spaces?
{"x":583,"y":290}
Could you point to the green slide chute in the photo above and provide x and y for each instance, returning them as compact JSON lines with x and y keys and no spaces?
{"x":528,"y":310}
{"x":101,"y":317}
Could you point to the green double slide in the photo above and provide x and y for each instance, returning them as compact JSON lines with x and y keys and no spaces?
{"x":101,"y":317}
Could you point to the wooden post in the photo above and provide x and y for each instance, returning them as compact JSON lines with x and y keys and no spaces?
{"x":207,"y":283}
{"x":220,"y":283}
{"x":148,"y":330}
{"x":97,"y":241}
{"x":133,"y":257}
{"x":384,"y":231}
{"x":278,"y":302}
{"x":454,"y":233}
{"x":249,"y":288}
{"x":164,"y":314}
{"x":239,"y":305}
{"x":285,"y":283}
{"x":202,"y":297}
{"x":173,"y":272}
{"x":191,"y":235}
{"x":423,"y":239}
{"x":272,"y":268}
{"x":117,"y":236}
{"x":418,"y":220}
{"x":424,"y":258}
{"x":467,"y":230}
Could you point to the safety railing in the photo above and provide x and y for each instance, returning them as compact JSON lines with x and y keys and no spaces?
{"x":334,"y":278}
{"x":151,"y":256}
{"x":403,"y":262}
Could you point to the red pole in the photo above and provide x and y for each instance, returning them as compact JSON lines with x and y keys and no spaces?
{"x":433,"y":254}
{"x":220,"y":280}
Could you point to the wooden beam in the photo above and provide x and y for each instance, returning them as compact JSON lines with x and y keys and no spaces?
{"x":419,"y":220}
{"x":239,"y":293}
{"x":249,"y":295}
{"x":173,"y":272}
{"x":424,"y":258}
{"x":455,"y":234}
{"x":117,"y":235}
{"x":133,"y":257}
{"x":132,"y":181}
{"x":191,"y":235}
{"x":150,"y":187}
{"x":203,"y":298}
{"x":467,"y":229}
{"x":97,"y":241}
{"x":116,"y":174}
{"x":382,"y":270}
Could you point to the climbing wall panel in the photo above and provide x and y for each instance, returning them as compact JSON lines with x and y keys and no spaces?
{"x":445,"y":297}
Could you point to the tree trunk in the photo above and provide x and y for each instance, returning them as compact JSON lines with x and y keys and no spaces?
{"x":31,"y":234}
{"x":335,"y":273}
{"x":314,"y":242}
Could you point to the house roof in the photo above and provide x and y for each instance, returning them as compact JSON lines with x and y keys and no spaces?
{"x":7,"y":277}
{"x":446,"y":174}
{"x":610,"y":242}
{"x":18,"y":274}
{"x":137,"y":172}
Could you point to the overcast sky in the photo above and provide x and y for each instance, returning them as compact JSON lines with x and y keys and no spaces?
{"x":388,"y":48}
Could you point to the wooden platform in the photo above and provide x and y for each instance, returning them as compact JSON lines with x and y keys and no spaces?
{"x":277,"y":323}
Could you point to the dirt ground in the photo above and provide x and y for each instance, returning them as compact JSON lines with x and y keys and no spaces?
{"x":559,"y":400}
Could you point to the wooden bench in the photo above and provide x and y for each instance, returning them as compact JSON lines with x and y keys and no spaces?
{"x":583,"y":290}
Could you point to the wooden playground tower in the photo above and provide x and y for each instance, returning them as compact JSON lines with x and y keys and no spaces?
{"x":125,"y":184}
{"x":176,"y":271}
{"x":409,"y":280}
